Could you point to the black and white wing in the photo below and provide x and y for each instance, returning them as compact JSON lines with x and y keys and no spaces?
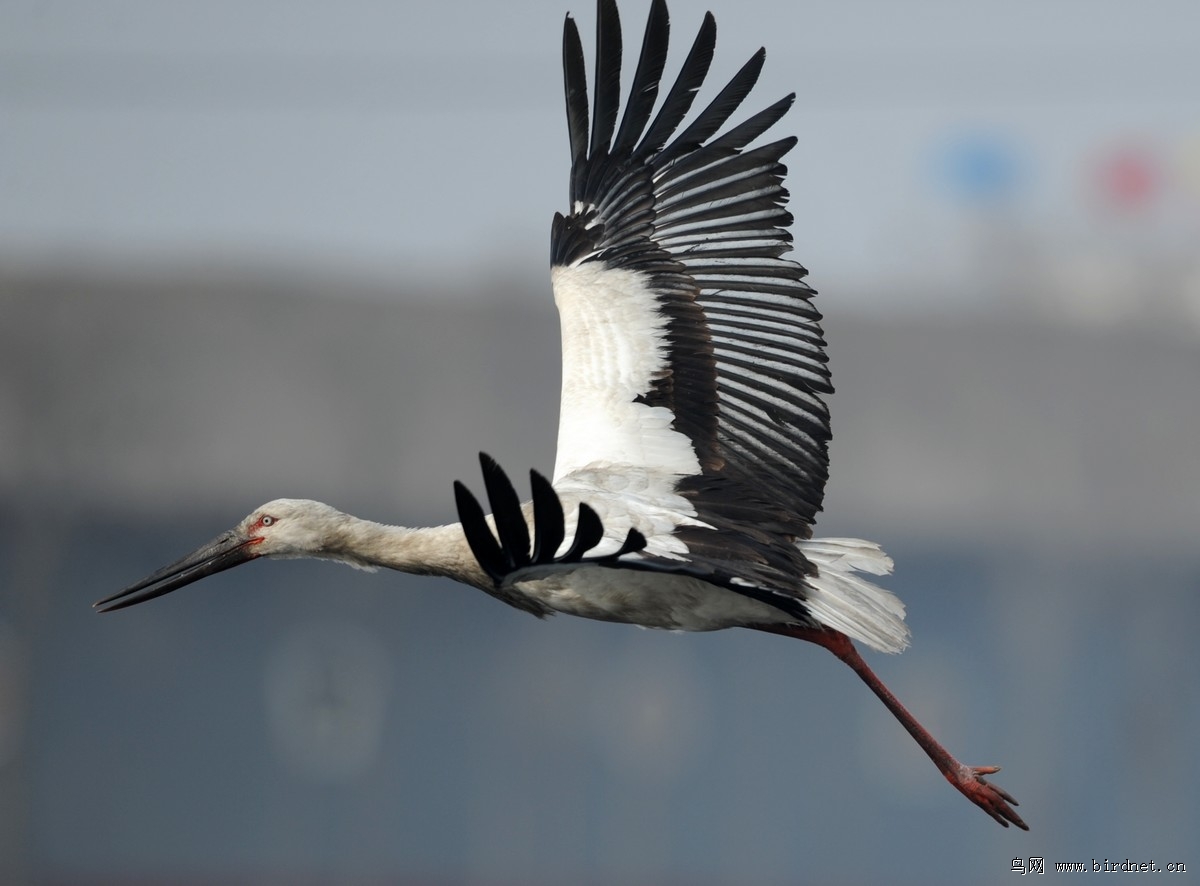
{"x":691,"y":348}
{"x":693,"y":431}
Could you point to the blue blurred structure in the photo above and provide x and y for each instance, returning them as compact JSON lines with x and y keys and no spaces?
{"x":980,"y":168}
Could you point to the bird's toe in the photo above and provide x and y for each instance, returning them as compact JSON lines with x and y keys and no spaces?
{"x":992,"y":799}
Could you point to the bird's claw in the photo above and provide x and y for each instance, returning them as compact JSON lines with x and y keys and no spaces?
{"x":992,"y":799}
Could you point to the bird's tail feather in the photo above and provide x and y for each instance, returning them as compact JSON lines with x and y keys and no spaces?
{"x":842,"y":600}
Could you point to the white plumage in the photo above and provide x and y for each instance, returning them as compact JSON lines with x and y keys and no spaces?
{"x":613,"y":347}
{"x":693,"y":431}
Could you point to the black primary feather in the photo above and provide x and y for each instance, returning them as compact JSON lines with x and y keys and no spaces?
{"x":589,"y":530}
{"x":575,"y":80}
{"x":511,"y":527}
{"x":507,"y":551}
{"x":679,"y":99}
{"x":549,"y":524}
{"x":479,"y":537}
{"x":607,"y":98}
{"x":644,"y":89}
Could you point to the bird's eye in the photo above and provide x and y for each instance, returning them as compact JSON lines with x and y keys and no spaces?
{"x":266,"y":520}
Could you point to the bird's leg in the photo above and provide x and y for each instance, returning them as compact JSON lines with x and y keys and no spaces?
{"x":969,"y":780}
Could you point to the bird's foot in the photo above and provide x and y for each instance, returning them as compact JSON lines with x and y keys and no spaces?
{"x":993,"y":800}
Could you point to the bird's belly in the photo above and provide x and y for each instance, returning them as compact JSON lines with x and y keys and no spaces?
{"x":652,"y":600}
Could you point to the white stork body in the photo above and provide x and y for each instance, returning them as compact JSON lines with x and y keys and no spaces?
{"x":692,"y":443}
{"x":683,"y":603}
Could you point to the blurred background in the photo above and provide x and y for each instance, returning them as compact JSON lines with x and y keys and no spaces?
{"x":258,"y":249}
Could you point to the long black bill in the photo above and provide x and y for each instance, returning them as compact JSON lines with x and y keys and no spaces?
{"x":224,"y":552}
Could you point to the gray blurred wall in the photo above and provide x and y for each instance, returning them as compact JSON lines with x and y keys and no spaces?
{"x":1036,"y":482}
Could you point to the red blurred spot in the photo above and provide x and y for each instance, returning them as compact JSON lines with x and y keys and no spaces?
{"x":1129,"y":178}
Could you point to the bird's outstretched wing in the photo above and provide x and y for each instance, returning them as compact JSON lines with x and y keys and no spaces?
{"x":690,"y":346}
{"x":507,"y":555}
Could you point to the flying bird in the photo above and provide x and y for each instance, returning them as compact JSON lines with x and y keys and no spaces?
{"x":693,"y":433}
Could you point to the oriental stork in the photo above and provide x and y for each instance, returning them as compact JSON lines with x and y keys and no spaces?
{"x":692,"y":441}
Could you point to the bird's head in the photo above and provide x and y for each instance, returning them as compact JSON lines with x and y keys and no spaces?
{"x":285,"y":527}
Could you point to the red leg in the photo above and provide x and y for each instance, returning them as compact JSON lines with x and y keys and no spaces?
{"x":967,"y":779}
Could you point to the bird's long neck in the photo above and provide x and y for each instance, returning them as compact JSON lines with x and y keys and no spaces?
{"x":434,"y":550}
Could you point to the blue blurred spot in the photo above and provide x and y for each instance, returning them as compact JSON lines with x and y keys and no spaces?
{"x":979,"y":167}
